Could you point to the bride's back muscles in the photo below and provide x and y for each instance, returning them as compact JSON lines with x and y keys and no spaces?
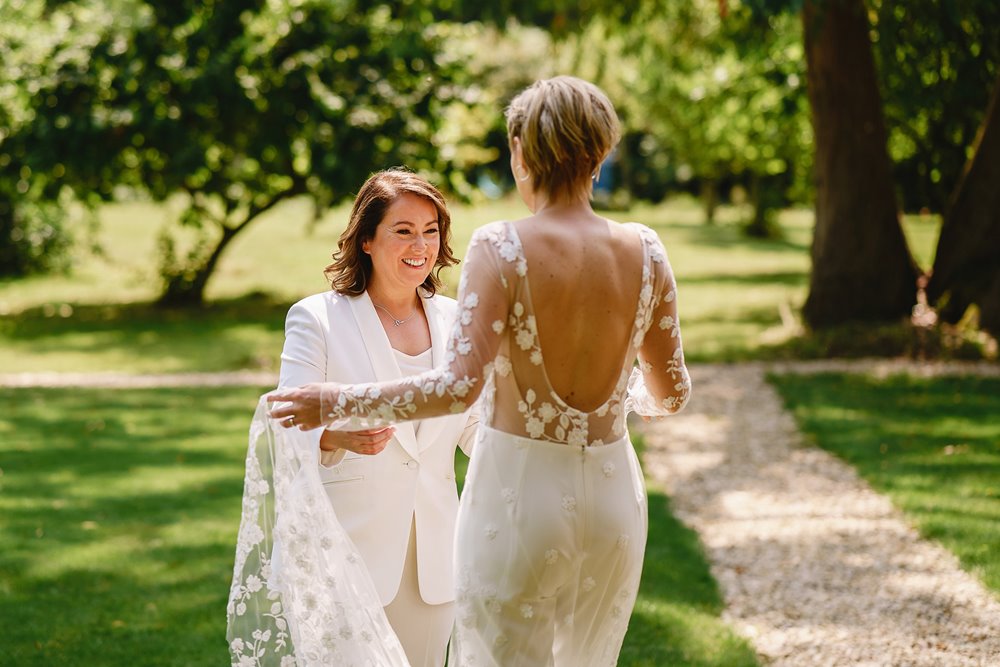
{"x":584,"y":275}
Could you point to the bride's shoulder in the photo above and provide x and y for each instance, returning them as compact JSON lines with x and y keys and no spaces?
{"x":495,"y":231}
{"x":651,"y":241}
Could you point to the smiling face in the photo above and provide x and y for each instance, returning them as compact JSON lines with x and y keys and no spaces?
{"x":405,"y":246}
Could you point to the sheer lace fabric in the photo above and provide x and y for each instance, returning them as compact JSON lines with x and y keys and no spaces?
{"x":494,"y":348}
{"x":301,"y":595}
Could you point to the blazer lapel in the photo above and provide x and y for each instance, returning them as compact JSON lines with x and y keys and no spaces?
{"x":383,"y":360}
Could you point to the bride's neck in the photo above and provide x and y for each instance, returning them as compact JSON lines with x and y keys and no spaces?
{"x":562,"y":206}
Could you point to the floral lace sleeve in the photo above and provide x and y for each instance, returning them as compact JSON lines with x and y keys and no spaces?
{"x":660,"y":385}
{"x":472,"y":347}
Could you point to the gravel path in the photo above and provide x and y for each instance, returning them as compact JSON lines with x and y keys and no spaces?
{"x":816,"y":568}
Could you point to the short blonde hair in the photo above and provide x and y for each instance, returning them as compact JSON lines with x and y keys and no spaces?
{"x":567,"y":126}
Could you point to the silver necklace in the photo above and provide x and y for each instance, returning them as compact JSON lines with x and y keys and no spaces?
{"x":392,"y":317}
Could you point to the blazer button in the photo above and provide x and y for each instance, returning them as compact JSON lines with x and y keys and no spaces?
{"x":412,"y":464}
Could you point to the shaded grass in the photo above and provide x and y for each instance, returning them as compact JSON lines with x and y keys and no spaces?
{"x":118,"y":516}
{"x":676,"y":617}
{"x":932,"y":445}
{"x":118,"y":519}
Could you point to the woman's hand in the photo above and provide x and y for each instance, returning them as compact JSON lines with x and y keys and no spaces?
{"x":303,"y":408}
{"x":368,"y":442}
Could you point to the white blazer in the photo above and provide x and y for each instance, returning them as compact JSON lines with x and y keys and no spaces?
{"x":338,"y":338}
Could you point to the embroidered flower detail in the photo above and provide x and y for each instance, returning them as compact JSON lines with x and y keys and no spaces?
{"x":527,"y":611}
{"x":670,"y":296}
{"x":464,"y":346}
{"x":547,"y":412}
{"x":577,"y":437}
{"x":551,"y":556}
{"x":508,"y":495}
{"x":588,"y":584}
{"x":471,"y":300}
{"x":535,"y":427}
{"x":254,"y":583}
{"x":498,"y":326}
{"x":518,"y":309}
{"x":616,"y":611}
{"x":608,"y":469}
{"x":569,"y":503}
{"x":490,"y":531}
{"x":623,"y":541}
{"x":346,"y":633}
{"x":525,"y":339}
{"x":502,"y":366}
{"x":500,"y":640}
{"x":536,"y":357}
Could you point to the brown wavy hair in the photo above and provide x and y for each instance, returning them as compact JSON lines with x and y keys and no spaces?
{"x":351,"y":270}
{"x":567,"y":126}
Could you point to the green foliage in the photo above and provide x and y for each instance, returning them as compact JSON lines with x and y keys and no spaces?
{"x":932,"y":445}
{"x":719,"y":96}
{"x":32,"y":237}
{"x":937,"y":61}
{"x":239,"y":105}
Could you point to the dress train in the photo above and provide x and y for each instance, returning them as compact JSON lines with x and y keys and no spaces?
{"x":301,"y":595}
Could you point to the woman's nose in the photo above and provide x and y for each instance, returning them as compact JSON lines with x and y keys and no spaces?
{"x":419,"y":241}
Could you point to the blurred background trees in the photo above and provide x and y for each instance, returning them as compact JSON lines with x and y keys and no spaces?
{"x":228,"y":109}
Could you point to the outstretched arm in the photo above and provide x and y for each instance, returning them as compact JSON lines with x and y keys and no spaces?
{"x":448,"y":389}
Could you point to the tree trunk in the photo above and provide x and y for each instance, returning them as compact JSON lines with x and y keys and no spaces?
{"x":862,"y":269}
{"x":187,"y":289}
{"x":709,"y":198}
{"x":967,"y":262}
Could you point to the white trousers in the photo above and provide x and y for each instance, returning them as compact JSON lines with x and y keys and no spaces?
{"x":548,"y":554}
{"x":423,"y":629}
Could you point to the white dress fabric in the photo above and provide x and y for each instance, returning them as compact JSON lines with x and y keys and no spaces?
{"x":552,"y":523}
{"x":301,"y":595}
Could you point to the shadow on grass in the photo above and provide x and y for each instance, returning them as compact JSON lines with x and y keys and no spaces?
{"x":728,"y":236}
{"x":933,"y":445}
{"x":118,"y":516}
{"x":223,"y":335}
{"x":789,"y":278}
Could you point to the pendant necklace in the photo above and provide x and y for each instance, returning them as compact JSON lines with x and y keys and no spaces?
{"x":392,"y":317}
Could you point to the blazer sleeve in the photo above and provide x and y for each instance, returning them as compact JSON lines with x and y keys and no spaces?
{"x":304,"y":360}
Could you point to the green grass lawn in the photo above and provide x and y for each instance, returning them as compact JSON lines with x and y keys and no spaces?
{"x":931,"y":445}
{"x":118,"y":517}
{"x":732,"y":288}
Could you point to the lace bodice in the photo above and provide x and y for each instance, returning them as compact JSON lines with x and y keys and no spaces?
{"x":494,"y":349}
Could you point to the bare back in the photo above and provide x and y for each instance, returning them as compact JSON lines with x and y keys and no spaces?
{"x":584,"y":277}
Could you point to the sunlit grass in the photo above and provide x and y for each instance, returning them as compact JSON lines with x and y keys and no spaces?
{"x":932,"y":445}
{"x":735,"y":293}
{"x":118,"y":519}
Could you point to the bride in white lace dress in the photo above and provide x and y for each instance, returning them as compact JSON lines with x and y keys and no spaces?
{"x":555,"y":309}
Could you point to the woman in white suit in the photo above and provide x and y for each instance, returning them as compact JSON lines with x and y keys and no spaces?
{"x":393,"y":489}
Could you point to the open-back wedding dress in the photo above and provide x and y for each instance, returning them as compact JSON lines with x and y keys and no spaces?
{"x":552,"y":522}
